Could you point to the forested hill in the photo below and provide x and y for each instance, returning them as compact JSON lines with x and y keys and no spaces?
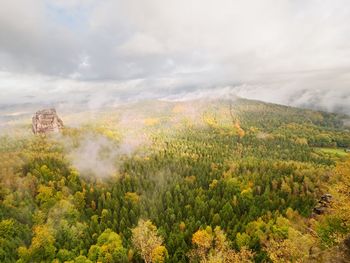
{"x":164,"y":181}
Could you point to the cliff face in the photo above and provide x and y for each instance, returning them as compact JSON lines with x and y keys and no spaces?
{"x":45,"y":121}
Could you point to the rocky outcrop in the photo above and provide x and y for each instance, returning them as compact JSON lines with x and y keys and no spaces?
{"x":322,"y":204}
{"x":45,"y":121}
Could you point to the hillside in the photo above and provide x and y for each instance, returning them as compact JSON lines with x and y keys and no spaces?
{"x":165,"y":181}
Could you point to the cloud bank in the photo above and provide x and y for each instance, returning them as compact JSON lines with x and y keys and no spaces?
{"x":290,"y":51}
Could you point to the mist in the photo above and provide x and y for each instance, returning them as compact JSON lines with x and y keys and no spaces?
{"x":98,"y":155}
{"x":94,"y":158}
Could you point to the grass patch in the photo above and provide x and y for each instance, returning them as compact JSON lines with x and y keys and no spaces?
{"x":336,"y":152}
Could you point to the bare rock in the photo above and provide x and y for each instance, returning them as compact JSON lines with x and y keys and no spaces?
{"x":45,"y":121}
{"x":323,"y":204}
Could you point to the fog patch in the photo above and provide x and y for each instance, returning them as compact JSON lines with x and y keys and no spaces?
{"x":227,"y":92}
{"x":94,"y":157}
{"x":97,"y":156}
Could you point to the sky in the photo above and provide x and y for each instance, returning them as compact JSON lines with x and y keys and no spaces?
{"x":293,"y":52}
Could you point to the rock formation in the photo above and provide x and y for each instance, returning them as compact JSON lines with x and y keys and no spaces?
{"x":322,"y":204}
{"x":45,"y":121}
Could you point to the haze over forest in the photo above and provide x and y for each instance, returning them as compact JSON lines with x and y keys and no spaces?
{"x":174,"y":131}
{"x":67,"y":52}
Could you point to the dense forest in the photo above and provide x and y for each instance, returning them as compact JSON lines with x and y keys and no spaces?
{"x":195,"y":181}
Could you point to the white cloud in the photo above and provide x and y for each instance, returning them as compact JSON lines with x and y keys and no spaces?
{"x":140,"y":45}
{"x":286,"y":51}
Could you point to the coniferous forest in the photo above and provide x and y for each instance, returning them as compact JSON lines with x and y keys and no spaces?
{"x":193,"y":181}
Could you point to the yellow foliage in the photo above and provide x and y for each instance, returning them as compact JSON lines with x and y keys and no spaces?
{"x":340,"y":189}
{"x":295,"y":248}
{"x":130,"y":255}
{"x":146,"y":240}
{"x":151,"y":121}
{"x":42,"y":244}
{"x":202,"y":238}
{"x":239,"y":130}
{"x":215,"y":248}
{"x":213,"y":184}
{"x":178,"y":108}
{"x":182,"y":226}
{"x":159,"y":254}
{"x":133,"y":197}
{"x":190,"y":179}
{"x":44,"y":193}
{"x":247,"y":192}
{"x":301,"y":141}
{"x":210,"y":121}
{"x":214,"y":166}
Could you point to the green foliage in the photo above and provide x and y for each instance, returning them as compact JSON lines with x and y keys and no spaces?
{"x":244,"y":176}
{"x":109,"y":248}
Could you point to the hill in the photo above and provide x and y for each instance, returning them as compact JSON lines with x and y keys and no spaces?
{"x":203,"y":180}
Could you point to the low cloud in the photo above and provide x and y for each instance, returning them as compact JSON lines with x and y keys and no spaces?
{"x":97,"y":53}
{"x":97,"y":156}
{"x":320,"y":90}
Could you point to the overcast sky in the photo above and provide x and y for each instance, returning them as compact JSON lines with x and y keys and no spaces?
{"x":294,"y":52}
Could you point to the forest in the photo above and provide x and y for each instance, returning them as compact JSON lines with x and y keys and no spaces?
{"x":163,"y":181}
